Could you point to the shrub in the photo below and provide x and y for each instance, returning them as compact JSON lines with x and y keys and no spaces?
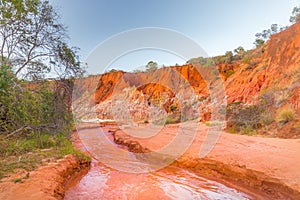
{"x":248,"y":130}
{"x":295,"y":15}
{"x":229,"y":73}
{"x":246,"y":59}
{"x":38,"y":110}
{"x":170,"y":119}
{"x":245,"y":119}
{"x":267,"y":118}
{"x":297,"y":126}
{"x":232,"y":129}
{"x":173,"y":108}
{"x":286,"y":115}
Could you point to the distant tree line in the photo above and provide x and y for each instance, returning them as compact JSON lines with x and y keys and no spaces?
{"x":240,"y":53}
{"x":265,"y":35}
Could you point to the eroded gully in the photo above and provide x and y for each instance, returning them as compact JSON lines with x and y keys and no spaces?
{"x":102,"y":182}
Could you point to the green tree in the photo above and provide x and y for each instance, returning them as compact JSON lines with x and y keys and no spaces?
{"x":274,"y":28}
{"x":151,"y":66}
{"x":259,"y":40}
{"x":228,"y":57}
{"x":34,"y":43}
{"x":34,"y":40}
{"x":239,"y":50}
{"x":295,"y":15}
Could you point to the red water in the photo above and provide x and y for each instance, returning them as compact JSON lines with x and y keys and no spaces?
{"x":102,"y":182}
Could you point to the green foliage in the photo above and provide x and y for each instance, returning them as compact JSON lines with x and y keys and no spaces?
{"x":229,"y":73}
{"x":239,"y":53}
{"x":239,"y":50}
{"x":209,"y":62}
{"x":34,"y":115}
{"x":247,"y":59}
{"x":267,"y":118}
{"x":297,"y":126}
{"x":137,"y":71}
{"x":173,"y":108}
{"x":18,"y":180}
{"x":205,"y":62}
{"x":295,"y":15}
{"x":151,"y":66}
{"x":202,"y":99}
{"x":227,"y":58}
{"x":170,"y":119}
{"x":245,"y":119}
{"x":39,"y":40}
{"x":248,"y":130}
{"x":232,"y":129}
{"x":112,"y":70}
{"x":27,"y":153}
{"x":259,"y":42}
{"x":33,"y":108}
{"x":286,"y":115}
{"x":235,"y":103}
{"x":265,"y":35}
{"x":6,"y":80}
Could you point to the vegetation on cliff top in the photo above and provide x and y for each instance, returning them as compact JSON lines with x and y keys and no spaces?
{"x":245,"y":55}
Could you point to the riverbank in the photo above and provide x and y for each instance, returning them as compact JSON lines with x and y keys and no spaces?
{"x":104,"y":182}
{"x":264,"y":168}
{"x":47,"y":182}
{"x":267,"y":167}
{"x":30,"y":171}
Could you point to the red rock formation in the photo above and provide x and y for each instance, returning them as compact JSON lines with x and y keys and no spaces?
{"x":274,"y":68}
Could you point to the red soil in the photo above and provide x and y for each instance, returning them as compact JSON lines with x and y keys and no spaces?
{"x":47,"y":182}
{"x":268,"y":165}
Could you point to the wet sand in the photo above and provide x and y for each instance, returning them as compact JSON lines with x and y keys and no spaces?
{"x":267,"y":165}
{"x":47,"y":182}
{"x":171,"y":182}
{"x":249,"y":167}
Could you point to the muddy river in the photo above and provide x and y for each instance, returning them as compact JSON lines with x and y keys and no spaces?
{"x":103,"y":182}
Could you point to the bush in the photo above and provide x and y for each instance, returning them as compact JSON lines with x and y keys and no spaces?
{"x":41,"y":107}
{"x":170,"y":119}
{"x":14,"y":152}
{"x":267,"y":118}
{"x":295,"y":15}
{"x":173,"y":108}
{"x":286,"y":115}
{"x":229,"y":73}
{"x":248,"y":130}
{"x":244,"y":119}
{"x":246,"y":59}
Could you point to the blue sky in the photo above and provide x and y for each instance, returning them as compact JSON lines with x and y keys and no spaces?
{"x":216,"y":25}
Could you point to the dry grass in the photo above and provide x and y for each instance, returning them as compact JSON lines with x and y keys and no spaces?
{"x":285,"y":115}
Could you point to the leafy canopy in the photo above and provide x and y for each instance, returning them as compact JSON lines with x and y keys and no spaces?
{"x":34,"y":41}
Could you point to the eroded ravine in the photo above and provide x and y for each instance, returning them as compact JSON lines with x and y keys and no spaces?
{"x":102,"y":182}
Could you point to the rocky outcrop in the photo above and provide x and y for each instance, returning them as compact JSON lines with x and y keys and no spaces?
{"x":272,"y":71}
{"x":274,"y":68}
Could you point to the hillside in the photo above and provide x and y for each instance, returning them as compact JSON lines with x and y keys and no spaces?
{"x":269,"y":74}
